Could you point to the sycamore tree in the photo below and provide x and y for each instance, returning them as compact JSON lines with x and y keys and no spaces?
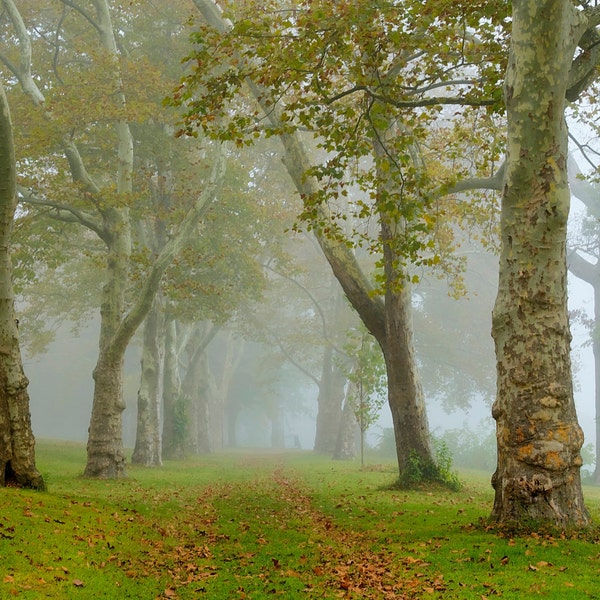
{"x":381,"y":74}
{"x":217,"y":281}
{"x":91,"y":100}
{"x":553,"y":58}
{"x":361,"y":83}
{"x":17,"y":444}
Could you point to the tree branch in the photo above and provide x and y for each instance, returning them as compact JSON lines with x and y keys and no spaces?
{"x":188,"y":226}
{"x":83,"y":13}
{"x":477,"y":183}
{"x":72,"y":215}
{"x":581,"y":268}
{"x":23,"y":73}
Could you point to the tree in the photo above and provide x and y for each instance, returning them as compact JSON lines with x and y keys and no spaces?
{"x":348,"y":73}
{"x":100,"y":195}
{"x":309,"y":330}
{"x":539,"y":438}
{"x":17,"y":444}
{"x":366,"y":383}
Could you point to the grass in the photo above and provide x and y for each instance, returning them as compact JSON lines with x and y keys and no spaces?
{"x":272,"y":525}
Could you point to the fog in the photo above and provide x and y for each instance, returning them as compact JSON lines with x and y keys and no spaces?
{"x":61,"y":387}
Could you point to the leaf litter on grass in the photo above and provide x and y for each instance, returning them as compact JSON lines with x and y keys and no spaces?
{"x":264,"y":536}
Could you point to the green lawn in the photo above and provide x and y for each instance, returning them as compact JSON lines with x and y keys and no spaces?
{"x":265,"y":525}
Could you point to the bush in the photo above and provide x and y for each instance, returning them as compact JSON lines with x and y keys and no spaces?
{"x":419,"y":472}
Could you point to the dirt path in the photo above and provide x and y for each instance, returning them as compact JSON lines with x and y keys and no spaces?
{"x":263,"y":537}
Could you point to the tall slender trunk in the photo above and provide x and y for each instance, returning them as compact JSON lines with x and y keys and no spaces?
{"x":405,"y":392}
{"x":329,"y":402}
{"x":345,"y":446}
{"x":538,"y":436}
{"x":147,"y":449}
{"x":172,"y":445}
{"x":105,"y":457}
{"x":596,"y":351}
{"x":196,"y":396}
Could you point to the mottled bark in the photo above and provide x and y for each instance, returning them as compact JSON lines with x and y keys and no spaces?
{"x":538,"y":436}
{"x":17,"y":444}
{"x":105,"y":455}
{"x":147,"y":451}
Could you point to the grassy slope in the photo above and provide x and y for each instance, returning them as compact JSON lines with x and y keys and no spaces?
{"x":264,"y":525}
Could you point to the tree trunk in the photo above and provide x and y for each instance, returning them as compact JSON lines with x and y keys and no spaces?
{"x":196,"y":396}
{"x":197,"y":391}
{"x":105,"y":455}
{"x":345,"y":446}
{"x":17,"y":444}
{"x":106,"y":458}
{"x":171,"y":444}
{"x":204,"y":387}
{"x":405,"y":393}
{"x":329,"y":402}
{"x":538,"y":436}
{"x":147,"y":451}
{"x":596,"y":351}
{"x":590,"y":272}
{"x":355,"y":284}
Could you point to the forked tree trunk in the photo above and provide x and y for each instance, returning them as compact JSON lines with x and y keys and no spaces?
{"x":17,"y":444}
{"x":538,"y":436}
{"x":356,"y":286}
